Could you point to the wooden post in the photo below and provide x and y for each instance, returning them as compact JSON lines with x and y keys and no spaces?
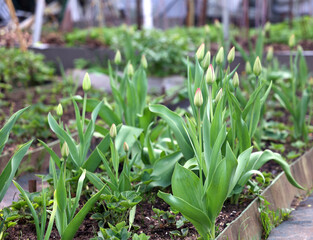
{"x":190,"y":13}
{"x":139,"y":7}
{"x":246,"y":16}
{"x":32,"y":186}
{"x":15,"y":20}
{"x":290,"y":13}
{"x":203,"y":13}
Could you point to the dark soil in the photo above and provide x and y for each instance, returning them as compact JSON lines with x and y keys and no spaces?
{"x":20,"y":98}
{"x":145,"y":219}
{"x":26,"y":230}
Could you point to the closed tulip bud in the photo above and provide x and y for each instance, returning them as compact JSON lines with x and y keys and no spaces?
{"x":86,"y":83}
{"x":217,"y":23}
{"x":248,"y":68}
{"x":207,"y":29}
{"x":113,"y":131}
{"x":267,"y":26}
{"x":144,"y":62}
{"x":292,"y":41}
{"x":236,"y":80}
{"x":65,"y":150}
{"x":130,"y":70}
{"x":118,"y":57}
{"x":59,"y":110}
{"x":257,"y":67}
{"x":219,"y":95}
{"x":125,"y":147}
{"x":311,"y":81}
{"x":300,"y":49}
{"x":210,"y":75}
{"x":231,"y":55}
{"x":198,"y":99}
{"x":200,"y":52}
{"x":270,"y":53}
{"x":206,"y":60}
{"x":220,"y":56}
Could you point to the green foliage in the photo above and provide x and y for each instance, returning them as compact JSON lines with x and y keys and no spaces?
{"x":23,"y":69}
{"x":11,"y":167}
{"x":271,"y":219}
{"x":165,"y":50}
{"x":117,"y":232}
{"x":220,"y":160}
{"x":296,"y":104}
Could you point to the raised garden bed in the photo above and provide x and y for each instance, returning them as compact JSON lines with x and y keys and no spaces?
{"x":280,"y":194}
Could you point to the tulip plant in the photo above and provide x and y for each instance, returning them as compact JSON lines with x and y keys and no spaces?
{"x":216,"y":143}
{"x":288,"y":93}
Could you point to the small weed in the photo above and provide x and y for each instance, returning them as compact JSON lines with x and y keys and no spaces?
{"x":271,"y":219}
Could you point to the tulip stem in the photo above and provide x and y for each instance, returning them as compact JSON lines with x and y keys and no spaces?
{"x":211,"y":104}
{"x":84,"y":110}
{"x":200,"y":144}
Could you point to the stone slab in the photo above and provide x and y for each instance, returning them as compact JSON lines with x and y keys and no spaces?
{"x":298,"y":226}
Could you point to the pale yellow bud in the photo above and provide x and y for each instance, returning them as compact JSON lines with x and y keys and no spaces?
{"x":257,"y":67}
{"x":248,"y":68}
{"x":220,"y":56}
{"x":118,"y":57}
{"x":231,"y":55}
{"x":206,"y":60}
{"x":267,"y":26}
{"x":113,"y":131}
{"x":219,"y":95}
{"x":236,"y":80}
{"x":144,"y":62}
{"x":130,"y":70}
{"x":59,"y":110}
{"x":292,"y":41}
{"x":125,"y":147}
{"x":210,"y":75}
{"x":198,"y":99}
{"x":86,"y":82}
{"x":200,"y":52}
{"x":270,"y":53}
{"x":65,"y":150}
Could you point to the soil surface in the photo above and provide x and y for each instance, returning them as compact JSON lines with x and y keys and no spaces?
{"x":19,"y":98}
{"x":145,"y":219}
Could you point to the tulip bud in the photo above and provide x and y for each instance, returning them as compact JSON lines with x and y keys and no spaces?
{"x":210,"y":75}
{"x":200,"y":52}
{"x":311,"y":81}
{"x":220,"y":56}
{"x":270,"y":53}
{"x":130,"y":70}
{"x":198,"y":99}
{"x":117,"y":58}
{"x":248,"y":68}
{"x":144,"y":62}
{"x":257,"y":67}
{"x":217,"y":23}
{"x":231,"y":55}
{"x":207,"y":29}
{"x":219,"y":95}
{"x":292,"y":41}
{"x":300,"y":49}
{"x":206,"y":61}
{"x":59,"y":110}
{"x":86,"y":82}
{"x":267,"y":26}
{"x":125,"y":147}
{"x":65,"y":150}
{"x":236,"y":80}
{"x":113,"y":131}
